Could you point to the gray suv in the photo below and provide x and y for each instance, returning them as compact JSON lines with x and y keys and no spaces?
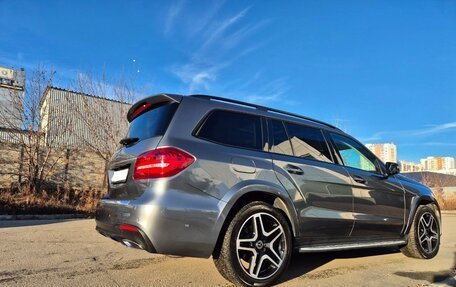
{"x":249,"y":185}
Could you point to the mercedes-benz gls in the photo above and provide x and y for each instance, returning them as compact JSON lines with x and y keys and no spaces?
{"x":249,"y":185}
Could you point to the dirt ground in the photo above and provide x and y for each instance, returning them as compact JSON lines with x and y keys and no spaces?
{"x":71,"y":253}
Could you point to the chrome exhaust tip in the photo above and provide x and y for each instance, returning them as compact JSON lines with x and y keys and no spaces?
{"x":131,"y":244}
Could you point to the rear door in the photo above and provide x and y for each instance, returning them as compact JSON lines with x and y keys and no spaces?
{"x":303,"y":161}
{"x":378,"y":200}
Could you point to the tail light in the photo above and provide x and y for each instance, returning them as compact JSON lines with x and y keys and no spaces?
{"x":140,"y":109}
{"x":161,"y":162}
{"x":127,"y":227}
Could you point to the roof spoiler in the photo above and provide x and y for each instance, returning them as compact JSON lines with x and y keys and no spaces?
{"x":151,"y":101}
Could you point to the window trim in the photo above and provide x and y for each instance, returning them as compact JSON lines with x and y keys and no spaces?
{"x":203,"y":121}
{"x":265,"y":132}
{"x":331,"y":152}
{"x":271,"y":135}
{"x":333,"y":149}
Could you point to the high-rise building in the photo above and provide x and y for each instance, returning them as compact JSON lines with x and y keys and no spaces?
{"x":440,"y":164}
{"x":407,"y":166}
{"x":387,"y":152}
{"x":11,"y":82}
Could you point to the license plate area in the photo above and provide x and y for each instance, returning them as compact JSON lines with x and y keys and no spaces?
{"x":118,"y":176}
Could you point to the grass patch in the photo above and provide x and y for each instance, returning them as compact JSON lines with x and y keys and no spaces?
{"x":52,"y":201}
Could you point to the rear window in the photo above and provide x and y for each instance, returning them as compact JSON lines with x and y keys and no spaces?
{"x":153,"y":122}
{"x":232,"y":128}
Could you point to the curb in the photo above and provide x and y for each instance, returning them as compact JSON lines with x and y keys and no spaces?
{"x":43,"y":216}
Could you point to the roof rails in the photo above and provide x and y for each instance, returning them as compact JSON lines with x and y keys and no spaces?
{"x":262,"y":108}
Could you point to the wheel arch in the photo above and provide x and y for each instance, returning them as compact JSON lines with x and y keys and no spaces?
{"x":422,"y":200}
{"x":267,"y":194}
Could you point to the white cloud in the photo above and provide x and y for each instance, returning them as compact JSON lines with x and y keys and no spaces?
{"x":210,"y":57}
{"x":269,"y":93}
{"x":439,"y":144}
{"x":437,"y":129}
{"x":429,"y":130}
{"x":221,"y":27}
{"x":232,"y":40}
{"x":201,"y":21}
{"x":173,"y":12}
{"x":197,"y":77}
{"x":201,"y":79}
{"x":216,"y":43}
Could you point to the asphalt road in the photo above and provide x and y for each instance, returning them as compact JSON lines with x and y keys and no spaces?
{"x":72,"y":253}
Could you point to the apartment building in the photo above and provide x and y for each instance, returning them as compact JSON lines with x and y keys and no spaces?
{"x":437,"y":163}
{"x":387,"y":152}
{"x":407,"y":166}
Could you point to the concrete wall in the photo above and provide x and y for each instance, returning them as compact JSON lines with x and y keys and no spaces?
{"x":75,"y":168}
{"x":449,"y":192}
{"x":9,"y":164}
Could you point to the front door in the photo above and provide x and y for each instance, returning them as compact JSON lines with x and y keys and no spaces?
{"x":378,"y":199}
{"x":320,"y":189}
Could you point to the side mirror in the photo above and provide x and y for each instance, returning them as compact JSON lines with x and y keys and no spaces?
{"x":392,"y":168}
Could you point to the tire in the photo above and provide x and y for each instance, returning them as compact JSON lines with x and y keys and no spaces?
{"x":274,"y":240}
{"x":426,"y":229}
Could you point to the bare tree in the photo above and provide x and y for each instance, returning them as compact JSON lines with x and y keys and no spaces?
{"x":436,"y":182}
{"x":103,"y":112}
{"x":38,"y":160}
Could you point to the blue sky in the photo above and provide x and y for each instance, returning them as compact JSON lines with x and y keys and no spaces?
{"x":384,"y":71}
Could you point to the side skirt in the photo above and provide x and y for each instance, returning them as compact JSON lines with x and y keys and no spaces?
{"x":348,"y":246}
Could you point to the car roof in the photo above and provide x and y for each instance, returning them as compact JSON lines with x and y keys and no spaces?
{"x":235,"y":105}
{"x":262,"y":111}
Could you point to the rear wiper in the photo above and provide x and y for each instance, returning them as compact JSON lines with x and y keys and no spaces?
{"x":128,"y":141}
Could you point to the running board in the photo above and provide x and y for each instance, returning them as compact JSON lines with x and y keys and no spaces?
{"x":348,"y":246}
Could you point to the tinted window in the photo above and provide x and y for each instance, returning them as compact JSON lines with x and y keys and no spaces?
{"x":354,"y":154}
{"x":231,"y":128}
{"x":308,"y":142}
{"x":152,"y":123}
{"x":280,"y":142}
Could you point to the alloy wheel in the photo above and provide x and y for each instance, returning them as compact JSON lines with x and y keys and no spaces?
{"x":261,"y":246}
{"x":428,"y":232}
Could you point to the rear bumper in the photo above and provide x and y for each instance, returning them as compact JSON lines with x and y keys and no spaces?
{"x":130,"y":239}
{"x":174,"y":222}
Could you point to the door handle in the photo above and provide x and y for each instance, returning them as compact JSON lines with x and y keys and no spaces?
{"x":359,"y":179}
{"x":293,"y":169}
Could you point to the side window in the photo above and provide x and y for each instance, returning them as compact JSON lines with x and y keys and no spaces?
{"x":232,"y":128}
{"x":354,"y":154}
{"x":280,"y":142}
{"x":308,"y":142}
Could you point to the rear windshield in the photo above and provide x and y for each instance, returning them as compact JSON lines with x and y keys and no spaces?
{"x":153,"y":122}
